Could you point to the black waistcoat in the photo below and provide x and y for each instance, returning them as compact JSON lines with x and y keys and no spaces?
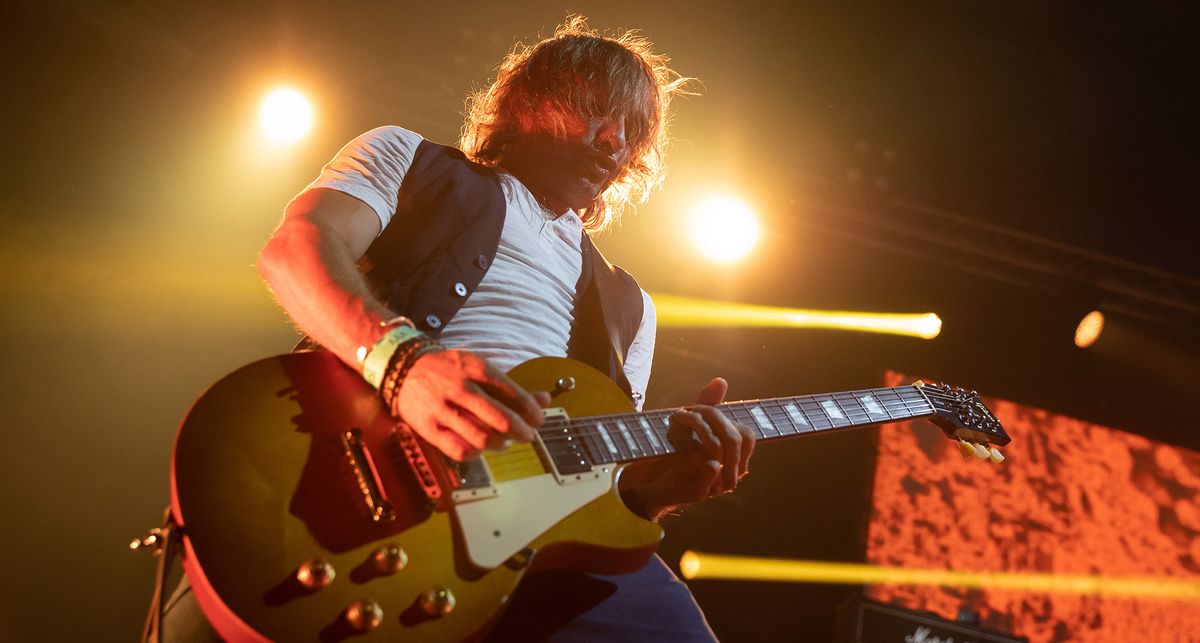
{"x":441,"y":240}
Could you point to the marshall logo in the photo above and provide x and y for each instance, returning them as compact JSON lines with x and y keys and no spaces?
{"x":922,"y":636}
{"x":872,"y":622}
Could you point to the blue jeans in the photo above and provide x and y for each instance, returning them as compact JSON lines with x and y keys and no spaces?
{"x":650,"y":605}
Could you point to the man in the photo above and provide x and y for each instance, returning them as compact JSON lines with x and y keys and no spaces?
{"x":488,"y":254}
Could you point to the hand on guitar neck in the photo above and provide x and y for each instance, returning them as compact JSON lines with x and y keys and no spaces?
{"x":721,"y":459}
{"x":462,"y":405}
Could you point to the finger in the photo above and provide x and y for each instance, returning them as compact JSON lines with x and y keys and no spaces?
{"x":747,"y":449}
{"x":686,"y":423}
{"x":467,"y":426}
{"x":493,"y":416}
{"x":714,"y":392}
{"x":510,"y":393}
{"x":543,"y":398}
{"x":731,"y":443}
{"x":446,"y":441}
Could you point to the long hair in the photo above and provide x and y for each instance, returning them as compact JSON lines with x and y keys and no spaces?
{"x":578,"y":72}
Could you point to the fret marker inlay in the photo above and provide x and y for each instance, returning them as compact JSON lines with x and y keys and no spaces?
{"x":629,"y":439}
{"x":796,"y":416}
{"x":832,"y":409}
{"x":872,"y":406}
{"x":651,"y":435}
{"x":763,"y":420}
{"x":612,"y":447}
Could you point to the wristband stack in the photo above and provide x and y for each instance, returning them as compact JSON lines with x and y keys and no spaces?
{"x":388,"y":362}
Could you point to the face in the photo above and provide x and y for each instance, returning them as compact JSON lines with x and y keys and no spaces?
{"x":571,"y":171}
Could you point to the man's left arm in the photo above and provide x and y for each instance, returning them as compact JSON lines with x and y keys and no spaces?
{"x":724,"y":447}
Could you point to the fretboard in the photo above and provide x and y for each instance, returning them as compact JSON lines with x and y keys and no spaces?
{"x":634,"y":436}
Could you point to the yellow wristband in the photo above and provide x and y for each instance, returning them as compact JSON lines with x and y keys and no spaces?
{"x":381,"y":353}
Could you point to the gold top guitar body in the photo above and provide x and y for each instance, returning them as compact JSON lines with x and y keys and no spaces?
{"x":295,"y":530}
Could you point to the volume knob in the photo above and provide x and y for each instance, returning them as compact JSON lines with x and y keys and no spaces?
{"x":437,"y":601}
{"x":364,"y":615}
{"x":315,"y":573}
{"x":389,"y":559}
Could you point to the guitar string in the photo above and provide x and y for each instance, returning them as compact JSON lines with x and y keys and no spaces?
{"x":776,"y":418}
{"x":636,"y":449}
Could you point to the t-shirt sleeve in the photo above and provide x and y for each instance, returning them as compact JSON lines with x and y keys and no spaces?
{"x":641,"y":352}
{"x":371,"y":168}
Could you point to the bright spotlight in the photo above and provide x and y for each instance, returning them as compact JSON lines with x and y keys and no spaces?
{"x":696,"y":565}
{"x":1089,"y":329}
{"x":724,"y":229}
{"x":286,"y":115}
{"x":685,"y":312}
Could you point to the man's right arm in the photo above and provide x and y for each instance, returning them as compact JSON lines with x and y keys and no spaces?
{"x":455,"y":400}
{"x":311,"y":263}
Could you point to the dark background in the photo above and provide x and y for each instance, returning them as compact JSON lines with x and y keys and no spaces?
{"x":134,"y":195}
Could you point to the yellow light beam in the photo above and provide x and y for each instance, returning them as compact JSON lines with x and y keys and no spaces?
{"x":686,"y":312}
{"x":695,"y":565}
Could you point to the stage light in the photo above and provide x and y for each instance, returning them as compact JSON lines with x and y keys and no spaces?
{"x":697,"y":565}
{"x":1089,"y":329}
{"x":674,"y":311}
{"x":724,"y":229}
{"x":285,"y":116}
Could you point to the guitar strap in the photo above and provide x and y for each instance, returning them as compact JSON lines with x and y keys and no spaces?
{"x":165,"y":545}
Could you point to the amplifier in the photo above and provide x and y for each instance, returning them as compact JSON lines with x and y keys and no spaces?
{"x":865,"y":621}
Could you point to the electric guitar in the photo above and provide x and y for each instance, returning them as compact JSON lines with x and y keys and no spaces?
{"x":309,"y":514}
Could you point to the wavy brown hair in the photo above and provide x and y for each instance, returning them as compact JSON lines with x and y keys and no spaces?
{"x":578,"y":72}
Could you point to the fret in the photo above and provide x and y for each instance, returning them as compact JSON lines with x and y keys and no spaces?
{"x":797,"y":417}
{"x":812,"y":410}
{"x":622,"y":438}
{"x":633,"y":436}
{"x":631,"y":443}
{"x":783,"y":423}
{"x":848,"y":412}
{"x":872,"y":405}
{"x":643,"y":440}
{"x":763,"y":421}
{"x":656,"y":446}
{"x":893,"y":403}
{"x":914,"y":399}
{"x":739,"y":412}
{"x":596,"y":449}
{"x":609,"y":443}
{"x":852,"y":408}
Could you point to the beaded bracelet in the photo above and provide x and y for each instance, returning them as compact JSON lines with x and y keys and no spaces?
{"x":401,"y":363}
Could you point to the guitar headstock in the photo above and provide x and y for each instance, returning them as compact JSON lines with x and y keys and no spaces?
{"x":962,"y":416}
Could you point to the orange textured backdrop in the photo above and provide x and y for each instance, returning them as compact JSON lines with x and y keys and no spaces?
{"x":1072,"y":498}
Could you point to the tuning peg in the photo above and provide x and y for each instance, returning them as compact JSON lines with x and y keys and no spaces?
{"x":995,"y":455}
{"x":966,"y":449}
{"x":981,"y":451}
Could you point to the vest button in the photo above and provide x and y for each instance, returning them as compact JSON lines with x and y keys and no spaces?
{"x":433,"y":321}
{"x":482,"y":261}
{"x":460,"y":289}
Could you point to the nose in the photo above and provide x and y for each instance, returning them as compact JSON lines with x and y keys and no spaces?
{"x":611,"y":137}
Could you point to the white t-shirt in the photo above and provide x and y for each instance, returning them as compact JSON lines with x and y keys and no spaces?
{"x":523,"y":306}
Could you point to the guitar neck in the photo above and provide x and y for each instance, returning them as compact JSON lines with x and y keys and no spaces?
{"x":634,"y":436}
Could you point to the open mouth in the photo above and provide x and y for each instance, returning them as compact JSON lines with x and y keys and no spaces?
{"x":598,"y":170}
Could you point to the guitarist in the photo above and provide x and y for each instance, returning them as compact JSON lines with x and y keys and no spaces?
{"x":433,"y":271}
